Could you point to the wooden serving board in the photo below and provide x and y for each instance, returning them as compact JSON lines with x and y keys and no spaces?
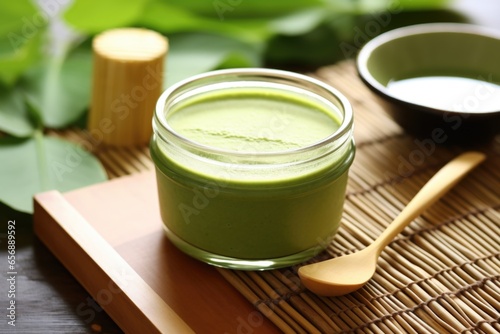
{"x":110,"y":237}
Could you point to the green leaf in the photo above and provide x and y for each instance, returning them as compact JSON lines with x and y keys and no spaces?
{"x":14,"y":116}
{"x":168,"y":19}
{"x":226,"y":9}
{"x":18,"y":16}
{"x":93,"y":16}
{"x":40,"y":164}
{"x":315,"y":48}
{"x":17,"y":54}
{"x":60,"y":88}
{"x":299,"y":22}
{"x":194,"y":53}
{"x":21,"y":29}
{"x":420,"y":4}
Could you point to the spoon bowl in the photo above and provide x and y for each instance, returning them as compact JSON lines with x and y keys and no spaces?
{"x":320,"y":277}
{"x":345,"y":274}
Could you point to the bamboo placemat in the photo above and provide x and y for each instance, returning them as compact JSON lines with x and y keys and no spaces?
{"x":441,"y":275}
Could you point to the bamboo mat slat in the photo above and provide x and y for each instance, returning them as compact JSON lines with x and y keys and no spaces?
{"x":440,"y":275}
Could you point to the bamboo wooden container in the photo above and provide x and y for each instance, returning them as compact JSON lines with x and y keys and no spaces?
{"x":127,"y":81}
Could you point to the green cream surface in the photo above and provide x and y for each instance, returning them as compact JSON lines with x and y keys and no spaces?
{"x":268,"y":216}
{"x":253,"y":121}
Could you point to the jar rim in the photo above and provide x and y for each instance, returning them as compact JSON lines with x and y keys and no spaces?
{"x":262,"y":73}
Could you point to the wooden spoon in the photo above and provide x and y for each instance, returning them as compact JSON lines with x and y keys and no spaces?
{"x":345,"y":274}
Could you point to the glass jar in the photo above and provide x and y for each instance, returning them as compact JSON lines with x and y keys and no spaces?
{"x":251,"y":166}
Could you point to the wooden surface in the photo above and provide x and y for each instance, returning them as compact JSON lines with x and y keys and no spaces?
{"x":110,"y":237}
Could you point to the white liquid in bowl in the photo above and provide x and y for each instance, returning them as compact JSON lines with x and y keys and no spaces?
{"x":448,"y":93}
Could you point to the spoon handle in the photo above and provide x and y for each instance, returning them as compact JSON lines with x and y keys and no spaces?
{"x":434,"y":189}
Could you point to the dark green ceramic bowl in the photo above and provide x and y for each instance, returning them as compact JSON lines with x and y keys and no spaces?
{"x":427,"y":51}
